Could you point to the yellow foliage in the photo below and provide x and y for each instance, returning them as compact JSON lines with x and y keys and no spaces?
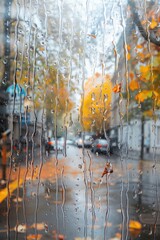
{"x":145,"y":69}
{"x":145,"y":72}
{"x":141,"y":55}
{"x":133,"y":85}
{"x":149,"y":113}
{"x":142,"y":96}
{"x":96,"y":104}
{"x":156,"y":60}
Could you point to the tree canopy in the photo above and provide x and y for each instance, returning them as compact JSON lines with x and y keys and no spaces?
{"x":144,"y":72}
{"x":95,"y":108}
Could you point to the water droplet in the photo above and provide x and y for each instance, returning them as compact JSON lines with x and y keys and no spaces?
{"x":80,"y":166}
{"x":46,"y":227}
{"x":93,"y":96}
{"x":105,"y":97}
{"x":93,"y":110}
{"x":33,"y":194}
{"x":150,"y":232}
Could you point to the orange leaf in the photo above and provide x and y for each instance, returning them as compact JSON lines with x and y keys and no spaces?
{"x":156,"y":94}
{"x":118,"y":235}
{"x":143,"y":22}
{"x":153,"y":24}
{"x":134,"y":228}
{"x":117,"y":88}
{"x":34,"y":236}
{"x":133,"y":85}
{"x":128,"y":47}
{"x":41,"y":48}
{"x":131,"y":74}
{"x":141,"y":55}
{"x":139,"y":46}
{"x":60,"y":237}
{"x":92,"y":35}
{"x":128,"y":56}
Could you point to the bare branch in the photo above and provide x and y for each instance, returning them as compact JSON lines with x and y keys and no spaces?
{"x":147,"y":36}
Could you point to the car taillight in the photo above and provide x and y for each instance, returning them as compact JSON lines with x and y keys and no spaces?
{"x":99,"y":145}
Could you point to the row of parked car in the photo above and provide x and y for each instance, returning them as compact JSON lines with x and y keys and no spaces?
{"x":97,"y":145}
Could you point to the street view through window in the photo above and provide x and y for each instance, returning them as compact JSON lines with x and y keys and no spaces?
{"x":80,"y":119}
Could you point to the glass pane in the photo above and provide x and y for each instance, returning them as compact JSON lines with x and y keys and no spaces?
{"x":79,"y":119}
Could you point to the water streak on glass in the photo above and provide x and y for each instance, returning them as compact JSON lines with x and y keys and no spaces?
{"x":88,"y":72}
{"x":17,"y":199}
{"x":127,"y":118}
{"x":81,"y":111}
{"x":92,"y":195}
{"x":63,"y":197}
{"x":60,"y":30}
{"x":12,"y":117}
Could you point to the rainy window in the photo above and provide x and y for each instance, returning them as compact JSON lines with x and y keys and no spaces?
{"x":79,"y":119}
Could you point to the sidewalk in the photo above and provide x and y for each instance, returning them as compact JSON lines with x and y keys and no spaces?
{"x":147,"y":156}
{"x":134,"y":154}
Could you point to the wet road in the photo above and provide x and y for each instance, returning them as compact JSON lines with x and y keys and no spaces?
{"x":68,"y":199}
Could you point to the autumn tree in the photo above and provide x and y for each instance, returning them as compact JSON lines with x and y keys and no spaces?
{"x":144,"y":73}
{"x":95,"y":108}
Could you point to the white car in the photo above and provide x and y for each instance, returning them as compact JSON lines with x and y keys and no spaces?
{"x":86,"y":142}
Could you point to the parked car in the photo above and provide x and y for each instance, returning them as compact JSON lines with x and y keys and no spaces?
{"x":79,"y":142}
{"x":86,"y":142}
{"x":69,"y":142}
{"x":100,"y":146}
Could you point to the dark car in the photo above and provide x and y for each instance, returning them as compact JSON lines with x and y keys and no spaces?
{"x":55,"y":144}
{"x":100,"y":146}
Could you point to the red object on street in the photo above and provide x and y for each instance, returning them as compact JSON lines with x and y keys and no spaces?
{"x":108,"y":169}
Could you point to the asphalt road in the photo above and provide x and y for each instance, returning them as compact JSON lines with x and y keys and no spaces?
{"x":70,"y":200}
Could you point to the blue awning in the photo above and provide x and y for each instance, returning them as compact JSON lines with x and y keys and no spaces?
{"x":16,"y":89}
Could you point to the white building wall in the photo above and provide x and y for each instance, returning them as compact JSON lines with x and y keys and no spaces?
{"x":129,"y":136}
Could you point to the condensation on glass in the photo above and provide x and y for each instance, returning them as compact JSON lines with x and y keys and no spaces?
{"x":79,"y":119}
